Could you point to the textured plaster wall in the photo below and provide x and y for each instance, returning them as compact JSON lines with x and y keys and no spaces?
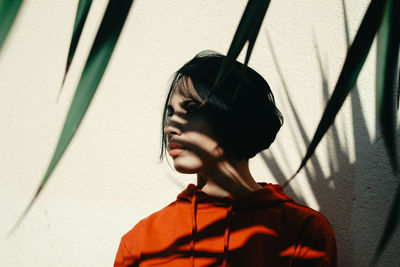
{"x":110,"y":176}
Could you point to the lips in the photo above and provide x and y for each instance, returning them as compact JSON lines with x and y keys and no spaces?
{"x":175,"y":149}
{"x":174,"y":146}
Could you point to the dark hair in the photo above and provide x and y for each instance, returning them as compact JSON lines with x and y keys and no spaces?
{"x":241,"y":109}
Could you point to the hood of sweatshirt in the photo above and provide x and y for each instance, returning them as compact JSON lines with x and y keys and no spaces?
{"x":262,"y":228}
{"x":269,"y":195}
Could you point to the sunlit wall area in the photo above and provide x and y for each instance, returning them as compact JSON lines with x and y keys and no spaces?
{"x":110,"y":176}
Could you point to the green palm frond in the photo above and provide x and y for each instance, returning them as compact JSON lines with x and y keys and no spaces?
{"x":80,"y":19}
{"x":354,"y":61}
{"x":247,"y":31}
{"x":387,"y":62}
{"x":99,"y":56}
{"x":8,"y":12}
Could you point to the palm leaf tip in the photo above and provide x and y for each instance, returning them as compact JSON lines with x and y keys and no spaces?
{"x":80,"y":19}
{"x":23,"y":215}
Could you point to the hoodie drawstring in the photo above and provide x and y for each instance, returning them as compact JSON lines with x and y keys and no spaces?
{"x":227,"y":231}
{"x":227,"y":235}
{"x":194,"y":229}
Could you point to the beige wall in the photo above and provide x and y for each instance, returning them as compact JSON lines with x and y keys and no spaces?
{"x":110,"y":176}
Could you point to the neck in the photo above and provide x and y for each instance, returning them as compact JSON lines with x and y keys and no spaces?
{"x":228,"y":178}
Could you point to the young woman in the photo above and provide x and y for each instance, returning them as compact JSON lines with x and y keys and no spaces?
{"x":228,"y":219}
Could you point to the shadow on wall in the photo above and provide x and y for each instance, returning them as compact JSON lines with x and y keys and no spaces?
{"x":355,"y":216}
{"x":335,"y":202}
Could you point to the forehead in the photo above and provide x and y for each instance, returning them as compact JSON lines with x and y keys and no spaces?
{"x":176,"y":99}
{"x":185,"y":89}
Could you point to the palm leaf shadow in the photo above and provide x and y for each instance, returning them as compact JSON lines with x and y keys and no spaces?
{"x":363,"y":149}
{"x":331,"y":199}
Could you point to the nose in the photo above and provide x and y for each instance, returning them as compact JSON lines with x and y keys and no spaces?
{"x":172,"y":128}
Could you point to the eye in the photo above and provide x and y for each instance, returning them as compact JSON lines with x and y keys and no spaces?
{"x":170,"y":112}
{"x":190,"y":106}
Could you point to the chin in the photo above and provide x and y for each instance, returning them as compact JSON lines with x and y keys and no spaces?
{"x":187,"y":166}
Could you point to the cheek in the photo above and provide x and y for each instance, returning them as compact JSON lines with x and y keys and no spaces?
{"x":204,"y":146}
{"x":202,"y":153}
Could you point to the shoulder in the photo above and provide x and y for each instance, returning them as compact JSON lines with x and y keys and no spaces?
{"x":309,"y":218}
{"x":133,"y":242}
{"x":149,"y":223}
{"x":313,"y":234}
{"x":310,"y":229}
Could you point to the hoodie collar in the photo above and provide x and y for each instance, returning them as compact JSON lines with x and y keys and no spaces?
{"x":268,"y":195}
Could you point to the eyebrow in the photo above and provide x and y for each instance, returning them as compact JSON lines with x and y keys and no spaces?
{"x":183,"y":103}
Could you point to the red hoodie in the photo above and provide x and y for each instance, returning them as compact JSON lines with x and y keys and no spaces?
{"x":263,"y":228}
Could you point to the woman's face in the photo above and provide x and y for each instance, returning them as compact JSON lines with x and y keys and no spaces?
{"x":191,"y":141}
